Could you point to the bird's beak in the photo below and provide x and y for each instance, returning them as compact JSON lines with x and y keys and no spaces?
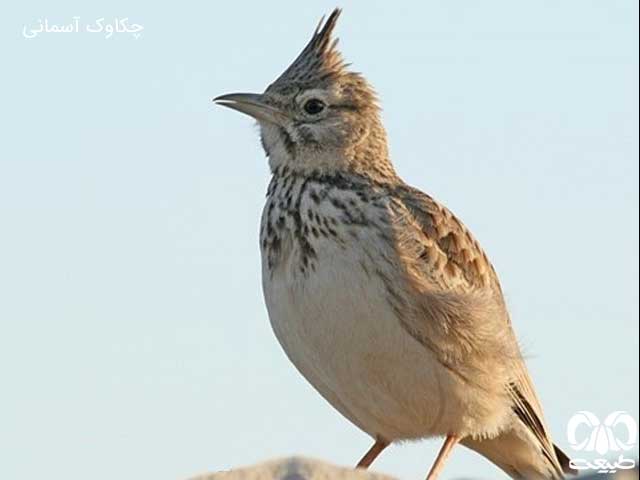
{"x":252,"y":104}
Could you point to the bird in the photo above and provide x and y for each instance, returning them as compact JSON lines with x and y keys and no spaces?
{"x":378,"y":294}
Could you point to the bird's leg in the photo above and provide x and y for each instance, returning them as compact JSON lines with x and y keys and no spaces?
{"x":448,"y":445}
{"x":373,"y":453}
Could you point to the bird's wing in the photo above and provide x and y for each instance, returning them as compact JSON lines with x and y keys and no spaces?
{"x":462,"y":262}
{"x":448,"y":262}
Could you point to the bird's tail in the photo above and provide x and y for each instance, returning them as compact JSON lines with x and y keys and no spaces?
{"x":521,"y":456}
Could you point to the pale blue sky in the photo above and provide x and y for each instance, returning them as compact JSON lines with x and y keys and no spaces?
{"x":134,"y":342}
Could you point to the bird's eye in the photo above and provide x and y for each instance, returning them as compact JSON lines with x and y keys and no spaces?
{"x":313,"y":106}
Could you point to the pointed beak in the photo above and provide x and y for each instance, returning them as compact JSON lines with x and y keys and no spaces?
{"x":252,"y":104}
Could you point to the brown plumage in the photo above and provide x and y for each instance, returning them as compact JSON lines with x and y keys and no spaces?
{"x":378,"y":294}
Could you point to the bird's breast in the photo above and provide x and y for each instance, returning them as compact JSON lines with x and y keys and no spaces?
{"x":327,"y":276}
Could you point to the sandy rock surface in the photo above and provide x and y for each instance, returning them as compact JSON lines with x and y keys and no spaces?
{"x":294,"y":468}
{"x":300,"y":468}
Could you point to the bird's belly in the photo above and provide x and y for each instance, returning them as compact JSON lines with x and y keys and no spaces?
{"x":339,"y":330}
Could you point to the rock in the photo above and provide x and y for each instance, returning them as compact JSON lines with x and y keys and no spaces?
{"x":294,"y":468}
{"x":301,"y":468}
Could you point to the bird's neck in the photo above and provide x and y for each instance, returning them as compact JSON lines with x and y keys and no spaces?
{"x":364,"y":154}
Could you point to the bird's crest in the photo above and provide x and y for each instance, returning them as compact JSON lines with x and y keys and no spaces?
{"x":319,"y":59}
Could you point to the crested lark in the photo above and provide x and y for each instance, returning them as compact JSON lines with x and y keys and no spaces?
{"x":378,"y":294}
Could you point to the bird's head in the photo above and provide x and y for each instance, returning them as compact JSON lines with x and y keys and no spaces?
{"x":317,"y":115}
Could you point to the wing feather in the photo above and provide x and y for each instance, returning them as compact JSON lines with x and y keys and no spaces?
{"x":452,"y":259}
